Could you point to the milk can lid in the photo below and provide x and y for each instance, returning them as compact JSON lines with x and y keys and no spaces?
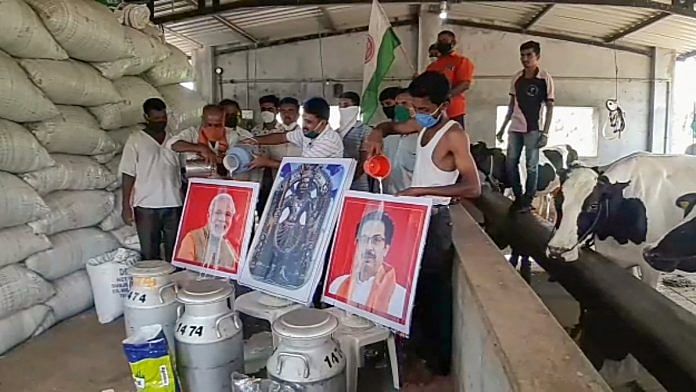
{"x":305,"y":324}
{"x":151,"y":268}
{"x":204,"y":291}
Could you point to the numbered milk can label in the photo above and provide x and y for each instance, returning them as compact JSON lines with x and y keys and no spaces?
{"x":334,"y":358}
{"x":135,"y":296}
{"x":190,"y":330}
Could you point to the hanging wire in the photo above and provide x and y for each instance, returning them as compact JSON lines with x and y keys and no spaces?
{"x":617,"y":120}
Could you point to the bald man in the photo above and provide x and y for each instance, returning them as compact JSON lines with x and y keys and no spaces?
{"x":211,"y":139}
{"x":208,"y":244}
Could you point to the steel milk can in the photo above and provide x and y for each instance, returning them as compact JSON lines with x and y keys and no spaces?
{"x":209,"y":339}
{"x":152,"y":298}
{"x":306,"y":353}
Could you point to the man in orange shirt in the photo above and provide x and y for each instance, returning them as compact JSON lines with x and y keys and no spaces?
{"x":458,"y":70}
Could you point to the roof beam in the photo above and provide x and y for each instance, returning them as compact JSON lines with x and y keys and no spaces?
{"x":563,"y":37}
{"x":218,"y":8}
{"x":686,"y":56}
{"x":638,"y":26}
{"x":236,"y":29}
{"x":545,"y":9}
{"x":361,"y":29}
{"x":328,"y":19}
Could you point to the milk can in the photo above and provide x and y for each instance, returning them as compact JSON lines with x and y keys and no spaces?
{"x":152,"y":298}
{"x":307,"y":354}
{"x":209,"y":341}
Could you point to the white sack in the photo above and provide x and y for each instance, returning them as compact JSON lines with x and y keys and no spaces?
{"x":148,"y":51}
{"x":22,"y":34}
{"x":186,"y":106}
{"x":21,"y":289}
{"x":71,"y":251}
{"x":19,"y":203}
{"x":121,"y":135}
{"x":21,"y":326}
{"x":73,"y":295}
{"x":71,"y":82}
{"x":20,"y":242}
{"x":106,"y":158}
{"x":75,"y":131}
{"x":87,"y":30}
{"x":19,"y":150}
{"x":127,"y":236}
{"x":113,"y":166}
{"x":113,"y":220}
{"x":73,"y":210}
{"x":71,"y":172}
{"x":134,"y":92}
{"x":110,"y":281}
{"x":174,"y":69}
{"x":21,"y":100}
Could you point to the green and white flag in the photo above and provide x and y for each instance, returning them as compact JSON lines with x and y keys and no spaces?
{"x":380,"y":53}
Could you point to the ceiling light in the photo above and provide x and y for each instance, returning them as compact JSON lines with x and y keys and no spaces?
{"x":443,"y":10}
{"x":219,"y":70}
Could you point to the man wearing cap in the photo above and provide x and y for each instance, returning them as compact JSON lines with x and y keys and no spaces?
{"x":316,"y":138}
{"x":215,"y":135}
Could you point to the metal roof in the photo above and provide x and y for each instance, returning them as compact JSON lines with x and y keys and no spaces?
{"x":612,"y":23}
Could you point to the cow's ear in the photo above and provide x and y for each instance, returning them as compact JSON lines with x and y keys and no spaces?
{"x":687,"y":203}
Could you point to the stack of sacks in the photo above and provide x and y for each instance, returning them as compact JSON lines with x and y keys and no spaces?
{"x":73,"y":80}
{"x":52,"y":186}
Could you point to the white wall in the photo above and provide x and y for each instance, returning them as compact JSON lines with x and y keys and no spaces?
{"x":584,"y":76}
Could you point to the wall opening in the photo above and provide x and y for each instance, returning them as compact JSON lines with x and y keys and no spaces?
{"x":682,"y":134}
{"x":574,"y":125}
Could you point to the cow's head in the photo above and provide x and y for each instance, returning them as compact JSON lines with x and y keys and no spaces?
{"x":677,"y":248}
{"x":491,"y":162}
{"x":589,"y":205}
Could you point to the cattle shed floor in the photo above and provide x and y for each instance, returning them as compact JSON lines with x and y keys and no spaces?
{"x":81,"y":355}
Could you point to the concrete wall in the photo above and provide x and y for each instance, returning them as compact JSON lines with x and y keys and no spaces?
{"x":584,"y":75}
{"x":505,"y":338}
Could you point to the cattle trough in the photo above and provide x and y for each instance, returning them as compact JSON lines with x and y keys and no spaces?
{"x":631,"y":316}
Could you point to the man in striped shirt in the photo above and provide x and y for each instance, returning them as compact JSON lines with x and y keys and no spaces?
{"x":316,"y":138}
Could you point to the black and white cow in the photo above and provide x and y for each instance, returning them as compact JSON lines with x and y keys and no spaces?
{"x":676,"y":250}
{"x":552,"y":161}
{"x":622,"y":208}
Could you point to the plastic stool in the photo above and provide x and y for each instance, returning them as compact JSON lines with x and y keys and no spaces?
{"x":255,"y":304}
{"x":352,"y":340}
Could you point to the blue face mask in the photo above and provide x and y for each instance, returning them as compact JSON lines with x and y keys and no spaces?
{"x":428,"y":120}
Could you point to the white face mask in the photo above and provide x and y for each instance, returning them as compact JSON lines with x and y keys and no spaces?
{"x":289,"y":127}
{"x":267,"y":117}
{"x":349,"y":116}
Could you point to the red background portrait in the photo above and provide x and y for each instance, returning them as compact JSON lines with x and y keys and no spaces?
{"x":409,"y":221}
{"x":195,"y":215}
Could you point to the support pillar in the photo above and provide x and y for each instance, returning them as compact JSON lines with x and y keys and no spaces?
{"x":429,"y":25}
{"x":203,"y":62}
{"x":661,"y":75}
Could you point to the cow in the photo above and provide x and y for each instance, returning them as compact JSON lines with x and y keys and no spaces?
{"x":676,"y":250}
{"x":552,"y":160}
{"x":621,"y":208}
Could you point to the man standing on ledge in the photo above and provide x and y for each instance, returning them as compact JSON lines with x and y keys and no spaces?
{"x":458,"y":70}
{"x":531,"y":90}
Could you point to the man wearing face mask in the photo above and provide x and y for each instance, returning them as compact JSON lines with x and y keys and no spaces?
{"x":354,"y":134}
{"x":316,"y":138}
{"x":444,"y":169}
{"x":404,"y":159}
{"x":458,"y":70}
{"x":211,"y":139}
{"x":433,"y":53}
{"x":151,"y":184}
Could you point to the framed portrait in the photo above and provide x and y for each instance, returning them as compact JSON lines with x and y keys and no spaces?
{"x":215,"y":227}
{"x":376,"y":256}
{"x":288,"y":252}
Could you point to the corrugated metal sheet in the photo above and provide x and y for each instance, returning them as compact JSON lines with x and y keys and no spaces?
{"x":494,"y":13}
{"x":596,"y":22}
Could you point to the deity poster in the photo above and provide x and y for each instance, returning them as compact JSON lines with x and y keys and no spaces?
{"x":215,"y":227}
{"x":288,"y":251}
{"x":376,"y":256}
